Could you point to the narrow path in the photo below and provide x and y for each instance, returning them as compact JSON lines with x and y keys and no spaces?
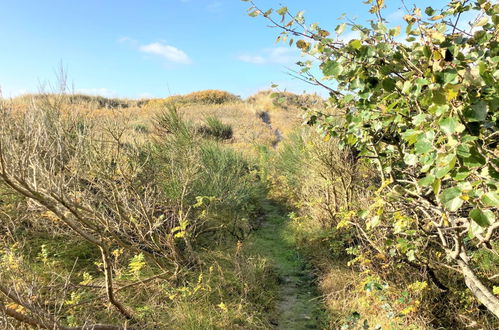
{"x":299,"y":306}
{"x":265,"y":117}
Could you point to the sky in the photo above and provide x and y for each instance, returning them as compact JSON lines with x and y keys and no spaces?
{"x":143,"y":49}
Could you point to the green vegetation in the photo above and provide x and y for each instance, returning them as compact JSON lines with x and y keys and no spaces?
{"x":417,"y":117}
{"x":216,"y":129}
{"x":286,"y":100}
{"x":210,"y":96}
{"x":186,"y":213}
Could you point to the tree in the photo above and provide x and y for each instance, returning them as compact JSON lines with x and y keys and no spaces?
{"x":424,"y":110}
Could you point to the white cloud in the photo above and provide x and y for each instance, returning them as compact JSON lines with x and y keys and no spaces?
{"x":279,"y":55}
{"x":13,"y":93}
{"x":168,"y":52}
{"x":396,"y":15}
{"x":129,"y":41}
{"x":254,"y":59}
{"x":97,"y":92}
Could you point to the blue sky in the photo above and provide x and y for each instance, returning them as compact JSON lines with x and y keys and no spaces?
{"x":134,"y":49}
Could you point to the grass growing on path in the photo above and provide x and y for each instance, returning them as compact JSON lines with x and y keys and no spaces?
{"x":298,"y":305}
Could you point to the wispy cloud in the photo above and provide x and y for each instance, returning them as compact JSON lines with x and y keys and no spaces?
{"x":279,"y":55}
{"x":349,"y":36}
{"x":128,"y":41}
{"x":97,"y":92}
{"x":168,"y":52}
{"x":397,"y":15}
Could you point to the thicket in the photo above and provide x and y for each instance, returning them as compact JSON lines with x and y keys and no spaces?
{"x":287,"y":100}
{"x":210,"y":96}
{"x":422,"y":111}
{"x":101,"y":231}
{"x":80,"y":99}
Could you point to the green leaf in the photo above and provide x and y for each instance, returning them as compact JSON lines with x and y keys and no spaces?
{"x":450,"y":197}
{"x":411,"y":136}
{"x":449,"y":75}
{"x":463,"y":150}
{"x":268,"y":12}
{"x":388,"y":84}
{"x":436,"y":186}
{"x":406,"y":87}
{"x":356,"y":44}
{"x":419,"y":119}
{"x":482,"y":21}
{"x":474,"y":160}
{"x":331,"y":68}
{"x":443,"y":170}
{"x":491,"y":198}
{"x":438,"y":110}
{"x":423,"y":145}
{"x":438,"y":96}
{"x":475,"y":229}
{"x":483,"y":218}
{"x":410,"y":159}
{"x":477,"y":112}
{"x":395,"y":31}
{"x":448,"y":125}
{"x":254,"y":13}
{"x":461,"y":174}
{"x":282,"y":11}
{"x":340,"y":28}
{"x":426,"y":181}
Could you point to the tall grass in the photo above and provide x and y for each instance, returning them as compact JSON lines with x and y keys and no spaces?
{"x":216,"y":129}
{"x":200,"y":171}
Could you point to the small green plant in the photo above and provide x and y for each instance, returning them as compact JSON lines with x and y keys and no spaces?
{"x":169,"y":122}
{"x":141,"y":128}
{"x":216,"y":129}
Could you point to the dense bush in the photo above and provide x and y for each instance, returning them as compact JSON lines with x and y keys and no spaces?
{"x":219,"y":179}
{"x":423,"y":111}
{"x":210,"y":96}
{"x":89,"y":215}
{"x":287,"y":100}
{"x":82,"y":99}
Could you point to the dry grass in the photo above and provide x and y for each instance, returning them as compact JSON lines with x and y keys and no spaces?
{"x":249,"y":130}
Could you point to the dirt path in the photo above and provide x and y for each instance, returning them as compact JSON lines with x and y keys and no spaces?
{"x":299,"y":306}
{"x":265,"y":117}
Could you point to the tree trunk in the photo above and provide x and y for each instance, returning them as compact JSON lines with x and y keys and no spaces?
{"x":480,"y":291}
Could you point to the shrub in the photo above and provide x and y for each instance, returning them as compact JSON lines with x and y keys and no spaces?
{"x":202,"y":97}
{"x":169,"y":122}
{"x":287,"y":100}
{"x":103,"y":214}
{"x":218,"y":179}
{"x":215,"y":128}
{"x":82,"y":99}
{"x":424,"y":113}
